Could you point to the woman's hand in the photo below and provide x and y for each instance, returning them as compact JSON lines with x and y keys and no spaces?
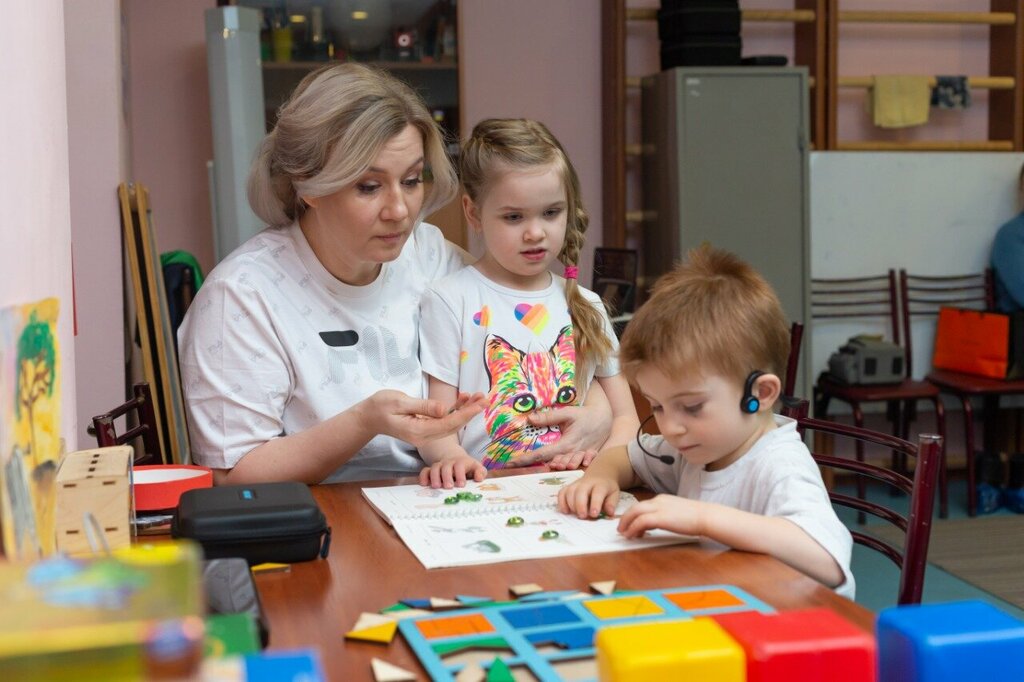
{"x":583,"y":428}
{"x":572,"y":460}
{"x":418,"y":420}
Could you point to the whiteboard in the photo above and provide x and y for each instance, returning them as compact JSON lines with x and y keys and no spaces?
{"x":933,"y":213}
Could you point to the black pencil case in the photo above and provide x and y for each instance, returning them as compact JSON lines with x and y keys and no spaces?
{"x":278,"y":522}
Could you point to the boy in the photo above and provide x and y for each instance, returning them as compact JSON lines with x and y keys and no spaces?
{"x":707,"y":351}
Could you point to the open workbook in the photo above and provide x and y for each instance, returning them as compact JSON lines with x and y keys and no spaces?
{"x":501,"y":519}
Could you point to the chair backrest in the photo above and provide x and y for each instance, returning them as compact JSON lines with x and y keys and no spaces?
{"x":796,"y":337}
{"x":922,"y":295}
{"x":873,"y":297}
{"x":615,"y":276}
{"x":913,"y":556}
{"x":141,"y":407}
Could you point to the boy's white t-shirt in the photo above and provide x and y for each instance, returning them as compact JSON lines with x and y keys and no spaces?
{"x":776,"y":477}
{"x":273,"y":344}
{"x":462,"y":313}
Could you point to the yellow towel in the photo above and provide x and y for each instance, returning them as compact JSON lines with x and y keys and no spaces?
{"x":900,"y":101}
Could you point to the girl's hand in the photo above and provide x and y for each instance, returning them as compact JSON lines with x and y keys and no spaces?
{"x":667,"y":512}
{"x":589,"y":496}
{"x":573,"y":460}
{"x":418,"y":420}
{"x":452,"y":472}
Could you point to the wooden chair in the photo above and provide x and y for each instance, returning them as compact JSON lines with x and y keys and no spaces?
{"x":796,"y":337}
{"x":912,"y":557}
{"x":141,"y":405}
{"x":923,"y":296}
{"x":875,"y":298}
{"x":615,"y":281}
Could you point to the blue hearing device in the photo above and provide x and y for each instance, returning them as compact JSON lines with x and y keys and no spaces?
{"x":749,"y":403}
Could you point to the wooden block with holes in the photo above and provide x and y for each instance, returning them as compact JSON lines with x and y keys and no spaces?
{"x":96,"y":481}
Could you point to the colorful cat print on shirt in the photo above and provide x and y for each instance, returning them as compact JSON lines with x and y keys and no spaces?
{"x":522,"y":383}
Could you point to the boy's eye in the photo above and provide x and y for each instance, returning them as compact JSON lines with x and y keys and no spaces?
{"x":655,"y":408}
{"x":693,"y":409}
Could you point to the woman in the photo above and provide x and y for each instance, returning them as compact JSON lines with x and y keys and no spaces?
{"x":299,"y":356}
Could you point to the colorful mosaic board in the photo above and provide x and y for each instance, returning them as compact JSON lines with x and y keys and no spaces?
{"x":554,"y":640}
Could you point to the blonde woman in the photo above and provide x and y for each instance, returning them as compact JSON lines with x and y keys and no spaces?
{"x":300,"y":354}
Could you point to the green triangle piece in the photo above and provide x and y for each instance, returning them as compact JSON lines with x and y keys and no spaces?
{"x":499,"y":672}
{"x":399,"y":606}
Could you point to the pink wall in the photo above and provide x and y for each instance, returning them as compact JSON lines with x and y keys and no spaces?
{"x":98,"y":157}
{"x":169,"y":106}
{"x":35,"y":261}
{"x":542,"y":60}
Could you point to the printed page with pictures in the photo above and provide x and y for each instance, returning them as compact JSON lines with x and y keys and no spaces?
{"x":479,"y":531}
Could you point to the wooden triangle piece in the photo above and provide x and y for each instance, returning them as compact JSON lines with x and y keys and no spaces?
{"x":603,"y":587}
{"x":439,"y":603}
{"x":471,"y":672}
{"x":382,"y":634}
{"x":525,"y":588}
{"x":369,"y":620}
{"x":388,"y":672}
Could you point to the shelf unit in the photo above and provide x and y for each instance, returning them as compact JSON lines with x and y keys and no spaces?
{"x":809,"y":42}
{"x":437,"y":82}
{"x":815,"y":45}
{"x":1006,"y":70}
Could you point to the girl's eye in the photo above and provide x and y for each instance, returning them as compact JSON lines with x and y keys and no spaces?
{"x":367,"y":187}
{"x":512,"y":217}
{"x":553,"y":212}
{"x":524,"y":403}
{"x":413,"y":182}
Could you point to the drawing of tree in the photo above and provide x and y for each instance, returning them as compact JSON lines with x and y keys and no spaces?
{"x":36,"y":369}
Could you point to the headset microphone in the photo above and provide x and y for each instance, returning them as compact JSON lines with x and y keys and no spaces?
{"x":665,"y":459}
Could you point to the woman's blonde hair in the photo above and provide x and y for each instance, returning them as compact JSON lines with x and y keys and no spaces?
{"x":329,"y":132}
{"x":713,"y":314}
{"x":499,"y":144}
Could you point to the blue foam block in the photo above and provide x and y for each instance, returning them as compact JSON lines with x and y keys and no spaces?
{"x":968,"y":640}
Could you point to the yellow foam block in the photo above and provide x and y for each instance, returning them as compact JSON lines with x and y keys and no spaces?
{"x":695,"y":649}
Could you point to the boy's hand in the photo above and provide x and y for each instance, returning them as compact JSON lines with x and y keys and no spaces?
{"x":452,"y":472}
{"x":588,"y":497}
{"x":667,"y":512}
{"x":573,"y":460}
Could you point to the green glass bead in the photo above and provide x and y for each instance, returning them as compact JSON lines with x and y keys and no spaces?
{"x":476,"y":497}
{"x":451,"y":500}
{"x":549,"y":535}
{"x":464,"y":495}
{"x":515,"y":521}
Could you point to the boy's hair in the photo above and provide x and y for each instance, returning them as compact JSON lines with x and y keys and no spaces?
{"x":330,"y":131}
{"x":497,"y":145}
{"x":713,"y":314}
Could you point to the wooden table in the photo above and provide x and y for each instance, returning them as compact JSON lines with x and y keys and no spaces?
{"x":369,"y":568}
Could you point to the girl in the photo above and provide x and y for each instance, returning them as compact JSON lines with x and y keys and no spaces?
{"x":506,"y":326}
